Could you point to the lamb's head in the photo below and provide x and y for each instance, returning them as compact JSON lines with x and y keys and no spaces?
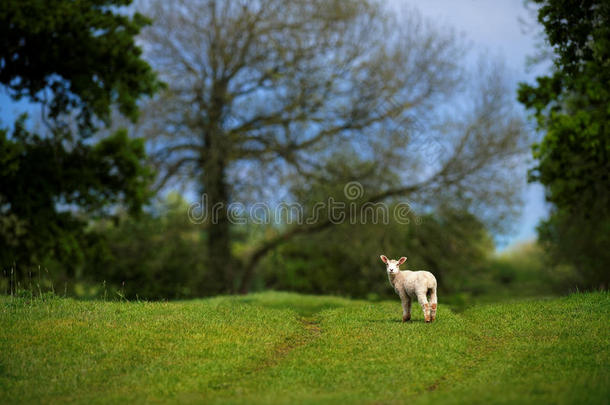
{"x":393,"y":265}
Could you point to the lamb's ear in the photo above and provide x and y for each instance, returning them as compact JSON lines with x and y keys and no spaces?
{"x":384,"y":259}
{"x":402,"y":260}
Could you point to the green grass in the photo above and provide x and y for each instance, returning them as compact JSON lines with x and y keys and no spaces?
{"x":286,"y":348}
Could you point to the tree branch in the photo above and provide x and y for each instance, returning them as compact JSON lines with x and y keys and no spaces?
{"x":172,"y":170}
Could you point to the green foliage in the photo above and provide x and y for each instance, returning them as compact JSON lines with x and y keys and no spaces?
{"x":159,"y":255}
{"x":45,"y":181}
{"x":580,"y":241}
{"x":523,"y":264}
{"x":276,"y":348}
{"x":82,"y":51}
{"x":571,"y":108}
{"x":454,"y":245}
{"x":78,"y":58}
{"x":345,"y":259}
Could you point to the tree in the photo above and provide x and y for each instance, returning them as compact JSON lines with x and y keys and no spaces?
{"x":269,"y":92}
{"x":80,"y":54}
{"x":69,"y":56}
{"x":43,"y":183}
{"x":571,"y":108}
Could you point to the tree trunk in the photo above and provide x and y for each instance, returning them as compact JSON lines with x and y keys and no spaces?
{"x":215,"y":159}
{"x":246,"y":281}
{"x":219,"y":259}
{"x":214,"y":162}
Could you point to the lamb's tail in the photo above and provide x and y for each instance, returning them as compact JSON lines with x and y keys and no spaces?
{"x":432,"y":282}
{"x":431,"y":293}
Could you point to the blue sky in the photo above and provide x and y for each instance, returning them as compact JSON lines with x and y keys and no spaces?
{"x":493,"y":26}
{"x":490,"y":25}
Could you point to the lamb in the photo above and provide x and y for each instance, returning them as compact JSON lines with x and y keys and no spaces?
{"x":413,"y":284}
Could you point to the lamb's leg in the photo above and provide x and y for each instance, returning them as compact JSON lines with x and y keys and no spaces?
{"x":433,"y":304}
{"x":406,"y":306}
{"x":425,"y":306}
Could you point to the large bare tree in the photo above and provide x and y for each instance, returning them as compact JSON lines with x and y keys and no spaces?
{"x":275,"y":88}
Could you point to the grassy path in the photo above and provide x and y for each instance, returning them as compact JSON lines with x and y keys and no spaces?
{"x":290,"y":348}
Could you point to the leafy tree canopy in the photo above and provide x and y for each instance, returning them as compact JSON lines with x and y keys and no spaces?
{"x":571,"y":108}
{"x":571,"y":105}
{"x":82,"y":51}
{"x":78,"y":58}
{"x":42,"y":182}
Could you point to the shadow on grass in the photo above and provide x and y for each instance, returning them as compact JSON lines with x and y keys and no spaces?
{"x":398,"y":320}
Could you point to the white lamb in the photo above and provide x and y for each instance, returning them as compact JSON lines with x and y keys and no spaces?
{"x":412,"y":284}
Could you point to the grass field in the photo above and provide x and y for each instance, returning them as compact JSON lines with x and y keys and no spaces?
{"x":286,"y":348}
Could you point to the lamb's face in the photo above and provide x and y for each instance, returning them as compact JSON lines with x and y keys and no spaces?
{"x":393,"y":266}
